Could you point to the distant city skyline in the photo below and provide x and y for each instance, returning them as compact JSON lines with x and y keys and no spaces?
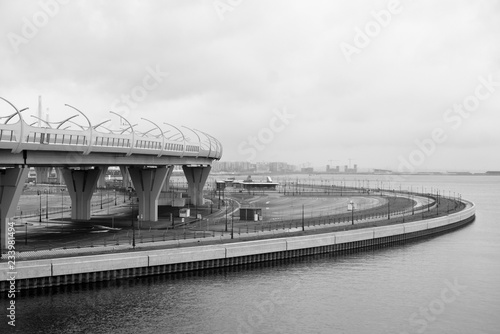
{"x":284,"y":167}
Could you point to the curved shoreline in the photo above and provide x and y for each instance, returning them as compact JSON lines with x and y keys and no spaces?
{"x":94,"y":268}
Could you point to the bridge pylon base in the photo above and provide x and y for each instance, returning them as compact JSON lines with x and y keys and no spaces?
{"x":81,"y":185}
{"x":196,"y":177}
{"x":148,"y":183}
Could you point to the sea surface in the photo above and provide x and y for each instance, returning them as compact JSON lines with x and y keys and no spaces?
{"x":444,"y":284}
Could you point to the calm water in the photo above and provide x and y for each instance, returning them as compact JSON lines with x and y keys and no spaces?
{"x":446,"y":284}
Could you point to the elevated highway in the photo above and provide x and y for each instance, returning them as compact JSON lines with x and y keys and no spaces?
{"x":83,"y":152}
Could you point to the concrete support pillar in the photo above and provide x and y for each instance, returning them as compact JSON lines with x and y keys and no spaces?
{"x":125,"y":176}
{"x":81,"y":185}
{"x":42,"y":174}
{"x":196,"y":178}
{"x":148,"y":183}
{"x":11,"y":186}
{"x":102,"y":178}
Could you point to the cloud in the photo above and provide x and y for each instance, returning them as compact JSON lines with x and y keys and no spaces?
{"x":227,"y":76}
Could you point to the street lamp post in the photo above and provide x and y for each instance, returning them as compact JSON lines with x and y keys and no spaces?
{"x":388,"y":208}
{"x":437,"y":202}
{"x":40,"y":210}
{"x":352,"y":212}
{"x":212,"y":195}
{"x":133,"y":226}
{"x":225,"y":230}
{"x":303,"y":227}
{"x":412,"y":204}
{"x":115,"y":195}
{"x":62,"y":203}
{"x":232,"y":223}
{"x":46,"y":204}
{"x":101,"y":198}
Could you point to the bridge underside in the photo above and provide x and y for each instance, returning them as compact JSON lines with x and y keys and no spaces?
{"x":81,"y":173}
{"x":83,"y":152}
{"x":77,"y":159}
{"x":196,"y":177}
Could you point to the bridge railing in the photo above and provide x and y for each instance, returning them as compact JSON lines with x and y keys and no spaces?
{"x":21,"y":136}
{"x":7,"y":134}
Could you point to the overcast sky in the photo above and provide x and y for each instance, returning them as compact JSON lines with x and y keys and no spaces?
{"x":297,"y":81}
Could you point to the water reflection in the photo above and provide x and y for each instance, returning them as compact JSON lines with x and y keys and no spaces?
{"x":373,"y":291}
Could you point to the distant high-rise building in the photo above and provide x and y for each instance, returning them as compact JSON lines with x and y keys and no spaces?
{"x":231,"y":166}
{"x":351,"y":170}
{"x":245,"y":166}
{"x":332,"y":170}
{"x":279,"y":167}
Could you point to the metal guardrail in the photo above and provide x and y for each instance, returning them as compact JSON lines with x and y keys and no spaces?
{"x":194,"y":232}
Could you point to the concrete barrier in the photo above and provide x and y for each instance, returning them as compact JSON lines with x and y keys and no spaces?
{"x":27,"y":269}
{"x":438,"y":222}
{"x":388,"y":231}
{"x":255,"y":247}
{"x":467,"y":213}
{"x":182,"y":255}
{"x":310,"y":241}
{"x":94,"y":265}
{"x":142,"y":259}
{"x":350,"y":236}
{"x":97,"y":257}
{"x":415,"y":227}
